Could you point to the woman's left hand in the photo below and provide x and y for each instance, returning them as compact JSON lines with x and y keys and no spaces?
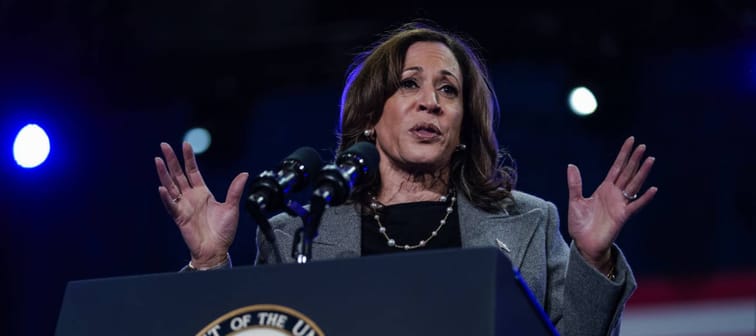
{"x":595,"y":222}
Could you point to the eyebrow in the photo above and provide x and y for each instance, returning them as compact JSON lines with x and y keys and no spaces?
{"x":443,"y":72}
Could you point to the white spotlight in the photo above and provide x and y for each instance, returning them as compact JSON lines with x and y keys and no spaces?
{"x":199,"y":138}
{"x":582,"y":101}
{"x":31,"y":146}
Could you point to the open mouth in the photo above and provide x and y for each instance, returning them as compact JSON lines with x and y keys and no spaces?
{"x":426,"y":130}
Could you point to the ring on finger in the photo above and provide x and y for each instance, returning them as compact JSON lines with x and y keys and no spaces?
{"x":629,"y":197}
{"x":177,"y":198}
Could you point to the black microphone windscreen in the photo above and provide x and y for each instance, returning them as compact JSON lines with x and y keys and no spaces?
{"x":366,"y":151}
{"x":309,"y":158}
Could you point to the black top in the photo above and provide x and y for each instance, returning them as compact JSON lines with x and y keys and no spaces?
{"x":409,"y":223}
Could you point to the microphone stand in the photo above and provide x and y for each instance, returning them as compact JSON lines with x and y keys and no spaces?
{"x":304,"y":236}
{"x":255,"y":207}
{"x":255,"y":210}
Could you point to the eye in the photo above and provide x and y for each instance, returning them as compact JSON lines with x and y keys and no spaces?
{"x":449,"y":90}
{"x":408,"y":83}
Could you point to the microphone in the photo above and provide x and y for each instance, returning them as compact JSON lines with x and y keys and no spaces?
{"x":354,"y":166}
{"x":269,"y":189}
{"x":332,"y":187}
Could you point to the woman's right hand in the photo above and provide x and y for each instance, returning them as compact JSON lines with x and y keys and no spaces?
{"x":207,"y":226}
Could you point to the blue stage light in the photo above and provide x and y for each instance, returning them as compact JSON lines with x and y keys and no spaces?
{"x":199,"y":138}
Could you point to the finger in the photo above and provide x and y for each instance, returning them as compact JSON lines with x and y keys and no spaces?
{"x":574,"y":182}
{"x":165,"y":178}
{"x":637,"y":181}
{"x":190,"y":163}
{"x":631,"y":167}
{"x":638,"y":204}
{"x":174,"y":168}
{"x":168,"y":202}
{"x":235,"y":190}
{"x":619,"y":162}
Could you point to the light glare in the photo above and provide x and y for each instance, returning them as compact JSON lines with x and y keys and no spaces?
{"x":31,"y":147}
{"x":582,"y":101}
{"x":199,"y":138}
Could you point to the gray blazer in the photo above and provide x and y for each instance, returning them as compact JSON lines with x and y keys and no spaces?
{"x":578,"y":299}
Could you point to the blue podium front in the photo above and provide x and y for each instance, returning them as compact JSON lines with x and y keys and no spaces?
{"x":441,"y":292}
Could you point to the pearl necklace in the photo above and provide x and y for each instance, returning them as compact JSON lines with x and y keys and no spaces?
{"x":375,"y":205}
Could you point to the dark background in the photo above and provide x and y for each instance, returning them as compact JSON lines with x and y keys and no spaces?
{"x":110,"y":80}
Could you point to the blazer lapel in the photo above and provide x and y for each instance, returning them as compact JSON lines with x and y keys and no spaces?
{"x":340,"y":234}
{"x":510,"y":233}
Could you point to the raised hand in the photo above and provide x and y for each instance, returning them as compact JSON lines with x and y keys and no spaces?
{"x":207,"y":226}
{"x":595,"y":222}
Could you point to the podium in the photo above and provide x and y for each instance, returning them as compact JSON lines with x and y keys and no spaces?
{"x":439,"y":292}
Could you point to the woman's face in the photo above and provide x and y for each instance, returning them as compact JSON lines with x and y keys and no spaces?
{"x":420,"y":125}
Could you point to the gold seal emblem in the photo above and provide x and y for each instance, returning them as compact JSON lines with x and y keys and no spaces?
{"x":262,"y":320}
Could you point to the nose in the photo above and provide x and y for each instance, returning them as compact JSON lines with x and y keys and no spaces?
{"x":428,"y":101}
